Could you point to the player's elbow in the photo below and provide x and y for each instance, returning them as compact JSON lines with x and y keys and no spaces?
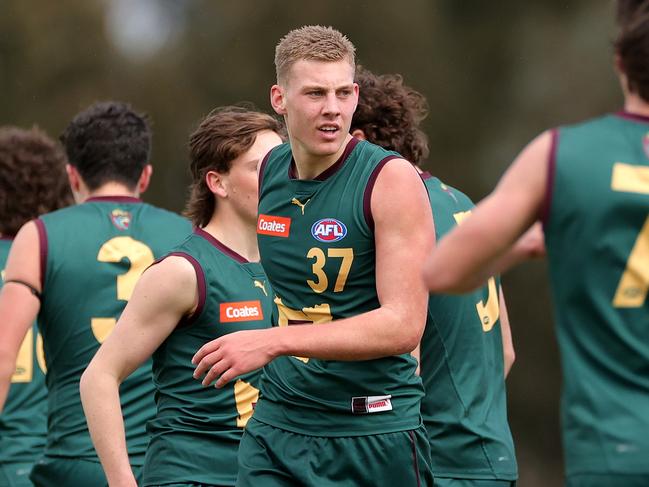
{"x":86,"y":382}
{"x":90,"y":382}
{"x":532,"y":244}
{"x":409,"y":336}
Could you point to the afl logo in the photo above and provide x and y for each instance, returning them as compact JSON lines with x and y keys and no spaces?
{"x":328,"y":230}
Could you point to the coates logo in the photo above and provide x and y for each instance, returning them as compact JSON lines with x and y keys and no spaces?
{"x":277,"y":226}
{"x":328,"y":230}
{"x":645,"y":144}
{"x":121,"y":219}
{"x":241,"y":311}
{"x":371,"y":404}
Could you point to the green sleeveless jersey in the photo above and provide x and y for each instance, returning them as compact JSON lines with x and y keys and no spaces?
{"x":23,"y":419}
{"x":465,"y":407}
{"x":91,"y":257}
{"x":195,"y":434}
{"x":597,"y":238}
{"x":316,"y":242}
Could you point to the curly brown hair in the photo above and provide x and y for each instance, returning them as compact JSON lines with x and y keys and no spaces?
{"x":632,"y":47}
{"x":32,"y":177}
{"x":222,"y":136}
{"x":389,"y":113}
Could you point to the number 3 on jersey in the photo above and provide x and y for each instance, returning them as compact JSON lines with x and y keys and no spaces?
{"x":140,"y":257}
{"x":632,"y":289}
{"x":488,"y":312}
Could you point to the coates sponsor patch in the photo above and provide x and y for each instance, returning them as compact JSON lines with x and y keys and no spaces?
{"x":371,"y":404}
{"x":241,"y":311}
{"x":277,"y":226}
{"x":329,"y":230}
{"x":121,"y":219}
{"x":645,"y":144}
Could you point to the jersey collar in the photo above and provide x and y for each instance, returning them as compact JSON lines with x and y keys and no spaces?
{"x":331,"y":170}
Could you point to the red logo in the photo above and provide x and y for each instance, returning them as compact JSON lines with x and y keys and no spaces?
{"x":241,"y":311}
{"x":276,"y":226}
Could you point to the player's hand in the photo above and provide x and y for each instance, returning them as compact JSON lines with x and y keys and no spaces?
{"x":231,"y":355}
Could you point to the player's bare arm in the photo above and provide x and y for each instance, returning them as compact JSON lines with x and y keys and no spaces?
{"x":163,"y":295}
{"x":18,"y":304}
{"x":531,"y":245}
{"x":508,"y":343}
{"x":403,"y":237}
{"x":468,"y":256}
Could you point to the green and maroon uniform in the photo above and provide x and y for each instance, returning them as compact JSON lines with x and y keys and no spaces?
{"x":465,"y":407}
{"x":91,"y":257}
{"x":23,"y":419}
{"x":196,"y":432}
{"x":316,"y":240}
{"x":597,"y":238}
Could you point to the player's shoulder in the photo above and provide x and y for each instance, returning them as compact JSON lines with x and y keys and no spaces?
{"x":278,"y":152}
{"x":443,"y":193}
{"x":61,"y":214}
{"x":165,"y":214}
{"x":593,"y":123}
{"x":368,"y":150}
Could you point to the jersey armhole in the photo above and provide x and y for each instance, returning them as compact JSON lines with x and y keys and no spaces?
{"x":549,"y":184}
{"x":188,"y":320}
{"x":42,"y":249}
{"x":367,"y":195}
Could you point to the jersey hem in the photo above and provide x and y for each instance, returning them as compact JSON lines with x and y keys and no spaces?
{"x":610,"y":471}
{"x":475,"y":476}
{"x":394,"y":428}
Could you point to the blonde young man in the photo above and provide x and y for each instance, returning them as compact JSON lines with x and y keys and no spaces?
{"x":588,"y":183}
{"x":342,"y":228}
{"x":210,"y":285}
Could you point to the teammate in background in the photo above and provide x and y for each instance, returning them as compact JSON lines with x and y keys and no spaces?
{"x":342,"y":229}
{"x":210,"y":285}
{"x":466,"y":350}
{"x":588,"y":183}
{"x":84,"y":261}
{"x":32,"y":182}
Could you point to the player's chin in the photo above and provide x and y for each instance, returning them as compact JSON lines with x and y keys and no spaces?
{"x":328,"y":147}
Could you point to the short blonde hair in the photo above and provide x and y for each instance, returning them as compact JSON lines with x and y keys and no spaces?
{"x":312,"y":43}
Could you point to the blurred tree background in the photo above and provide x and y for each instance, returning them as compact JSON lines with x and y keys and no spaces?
{"x":495,"y":73}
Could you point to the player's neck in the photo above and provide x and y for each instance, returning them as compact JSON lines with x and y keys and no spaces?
{"x":633,"y":103}
{"x":235,"y":233}
{"x":108,"y":189}
{"x":309,"y":166}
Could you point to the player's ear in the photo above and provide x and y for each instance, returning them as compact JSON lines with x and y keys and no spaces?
{"x":217,"y":184}
{"x":277,"y":99}
{"x":617,"y":62}
{"x":359,"y":134}
{"x":145,"y":178}
{"x":73,"y":177}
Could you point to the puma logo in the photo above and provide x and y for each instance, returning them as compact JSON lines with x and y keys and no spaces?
{"x":297,"y":202}
{"x":261,"y":286}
